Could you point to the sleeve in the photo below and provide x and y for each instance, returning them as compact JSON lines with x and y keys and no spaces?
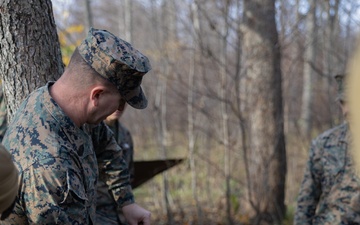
{"x":112,"y":165}
{"x":131,"y":157}
{"x":310,"y":189}
{"x":128,"y":146}
{"x":53,"y":193}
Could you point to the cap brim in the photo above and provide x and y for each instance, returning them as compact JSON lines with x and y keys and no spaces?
{"x":136,"y":98}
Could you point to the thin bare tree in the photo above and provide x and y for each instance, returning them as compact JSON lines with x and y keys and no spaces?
{"x":190,"y":106}
{"x":168,"y":36}
{"x":309,"y":72}
{"x":223,"y":43}
{"x":128,"y":21}
{"x":330,"y":51}
{"x":88,"y":15}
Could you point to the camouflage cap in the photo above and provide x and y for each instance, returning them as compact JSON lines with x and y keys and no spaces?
{"x":118,"y":62}
{"x":341,"y":86}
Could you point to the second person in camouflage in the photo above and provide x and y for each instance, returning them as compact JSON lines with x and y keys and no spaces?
{"x":107,"y":212}
{"x":329,"y":182}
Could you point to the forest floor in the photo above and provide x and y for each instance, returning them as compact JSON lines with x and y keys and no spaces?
{"x":210,"y":189}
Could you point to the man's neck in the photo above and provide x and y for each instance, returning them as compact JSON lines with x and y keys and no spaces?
{"x":63,"y":98}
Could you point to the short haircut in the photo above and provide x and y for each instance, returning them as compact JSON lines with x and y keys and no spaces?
{"x":83,"y":75}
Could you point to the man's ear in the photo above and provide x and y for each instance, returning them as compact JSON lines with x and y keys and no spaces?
{"x":95,"y":95}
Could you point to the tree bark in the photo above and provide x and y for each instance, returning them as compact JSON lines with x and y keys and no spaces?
{"x":30,"y":51}
{"x":267,"y":155}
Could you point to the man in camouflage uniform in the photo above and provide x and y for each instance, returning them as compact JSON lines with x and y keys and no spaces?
{"x":106,"y":210}
{"x":329,"y":182}
{"x":61,"y":145}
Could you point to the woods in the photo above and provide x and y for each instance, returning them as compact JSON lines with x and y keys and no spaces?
{"x":238,"y":88}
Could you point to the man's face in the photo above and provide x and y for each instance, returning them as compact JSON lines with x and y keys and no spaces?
{"x":116,"y":115}
{"x":108,"y":103}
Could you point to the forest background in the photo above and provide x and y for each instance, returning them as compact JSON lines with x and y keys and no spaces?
{"x":238,"y":89}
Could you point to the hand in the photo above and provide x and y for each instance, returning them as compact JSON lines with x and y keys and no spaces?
{"x":136,"y":215}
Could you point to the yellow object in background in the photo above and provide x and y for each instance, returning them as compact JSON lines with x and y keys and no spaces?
{"x":354,"y":105}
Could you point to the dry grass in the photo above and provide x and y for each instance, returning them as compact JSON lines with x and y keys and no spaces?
{"x":210,"y":190}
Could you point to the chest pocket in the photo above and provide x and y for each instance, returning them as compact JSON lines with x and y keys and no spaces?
{"x":75,"y":202}
{"x":88,"y":168}
{"x":81,"y":181}
{"x":75,"y":192}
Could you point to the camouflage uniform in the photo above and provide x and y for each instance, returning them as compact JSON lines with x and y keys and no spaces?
{"x":106,"y":210}
{"x":124,"y":139}
{"x":58,"y":164}
{"x":329,"y":182}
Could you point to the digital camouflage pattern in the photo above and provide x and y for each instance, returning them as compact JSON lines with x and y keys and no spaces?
{"x":59,"y":164}
{"x":118,"y":62}
{"x":3,"y":114}
{"x":124,"y":139}
{"x":329,"y":184}
{"x":107,"y":212}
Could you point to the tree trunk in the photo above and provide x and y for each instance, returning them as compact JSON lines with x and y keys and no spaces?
{"x":88,"y":15}
{"x":267,"y":155}
{"x":331,"y":54}
{"x":30,"y":51}
{"x":309,"y":60}
{"x":128,"y":20}
{"x":168,"y":31}
{"x":190,"y":108}
{"x":224,"y":109}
